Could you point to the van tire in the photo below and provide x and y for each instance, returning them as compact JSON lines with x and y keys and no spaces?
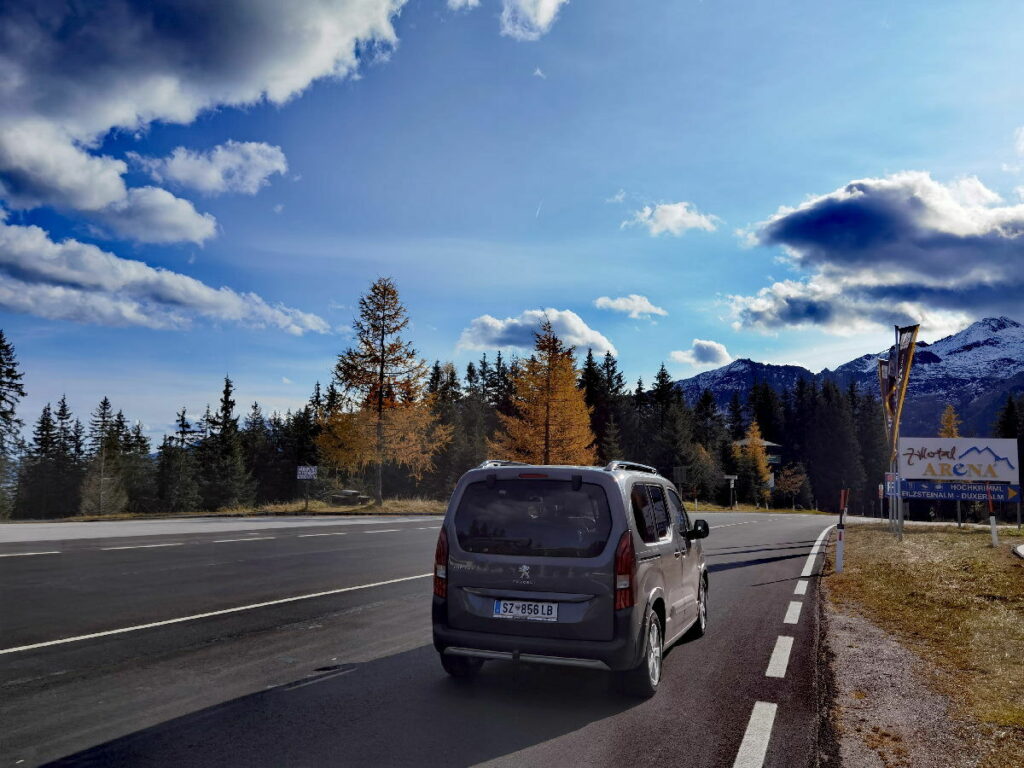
{"x":642,"y":681}
{"x":700,"y":626}
{"x":461,"y":667}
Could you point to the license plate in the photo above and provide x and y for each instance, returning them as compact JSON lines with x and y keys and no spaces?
{"x":525,"y":609}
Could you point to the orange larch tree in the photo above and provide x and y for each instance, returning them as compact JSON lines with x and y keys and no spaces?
{"x":552,"y":421}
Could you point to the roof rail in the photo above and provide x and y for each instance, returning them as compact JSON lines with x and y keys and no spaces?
{"x":501,"y":463}
{"x":630,"y":466}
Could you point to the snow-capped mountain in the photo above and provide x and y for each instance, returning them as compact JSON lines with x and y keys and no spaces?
{"x":974,"y":370}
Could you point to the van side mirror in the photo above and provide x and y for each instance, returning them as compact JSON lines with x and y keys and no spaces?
{"x":700,"y":530}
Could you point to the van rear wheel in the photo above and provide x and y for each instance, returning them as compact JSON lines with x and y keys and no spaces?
{"x":642,"y":681}
{"x":461,"y":667}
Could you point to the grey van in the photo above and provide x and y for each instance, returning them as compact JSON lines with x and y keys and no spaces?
{"x":595,"y":567}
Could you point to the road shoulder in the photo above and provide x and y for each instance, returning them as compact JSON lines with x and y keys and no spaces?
{"x":883,"y":714}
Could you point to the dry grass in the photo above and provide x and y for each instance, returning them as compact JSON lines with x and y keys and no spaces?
{"x":390,"y":507}
{"x":956,"y":602}
{"x":706,"y":506}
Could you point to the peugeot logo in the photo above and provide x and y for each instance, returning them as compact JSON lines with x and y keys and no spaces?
{"x":524,"y":572}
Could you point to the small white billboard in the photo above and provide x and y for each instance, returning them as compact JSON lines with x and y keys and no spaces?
{"x":959,"y":459}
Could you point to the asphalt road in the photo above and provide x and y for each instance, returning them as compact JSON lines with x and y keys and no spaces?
{"x":229,"y":669}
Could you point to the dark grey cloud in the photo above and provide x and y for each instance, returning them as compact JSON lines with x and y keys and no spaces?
{"x":899,"y":249}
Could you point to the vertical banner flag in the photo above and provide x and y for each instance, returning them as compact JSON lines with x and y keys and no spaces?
{"x":883,"y":389}
{"x":893,"y":377}
{"x":906,"y":343}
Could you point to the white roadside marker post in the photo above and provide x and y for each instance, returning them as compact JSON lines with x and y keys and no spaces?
{"x":844,"y":496}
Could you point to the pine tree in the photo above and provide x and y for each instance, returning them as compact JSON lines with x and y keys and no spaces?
{"x":69,"y":459}
{"x":224,"y":480}
{"x":704,"y":476}
{"x":138,"y":472}
{"x":874,"y":451}
{"x":11,"y":392}
{"x":663,"y":397}
{"x":103,"y":490}
{"x":765,"y":408}
{"x":673,"y":440}
{"x":708,"y":425}
{"x":833,"y":454}
{"x":382,"y":376}
{"x":734,"y":419}
{"x":38,"y":494}
{"x":1008,"y":421}
{"x":552,"y":424}
{"x":260,"y":455}
{"x":177,"y":476}
{"x":610,"y":447}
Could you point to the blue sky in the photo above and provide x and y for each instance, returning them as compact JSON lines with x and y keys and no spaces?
{"x":496,"y":166}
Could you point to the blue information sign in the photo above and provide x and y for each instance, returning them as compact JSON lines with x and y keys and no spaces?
{"x":926,"y":489}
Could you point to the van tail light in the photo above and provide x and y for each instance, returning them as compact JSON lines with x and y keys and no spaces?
{"x":441,"y":565}
{"x":625,"y":572}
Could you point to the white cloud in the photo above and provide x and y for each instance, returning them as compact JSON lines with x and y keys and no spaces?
{"x":674,"y":218}
{"x":487,"y":332}
{"x":278,"y":208}
{"x":286,"y":380}
{"x":618,"y":197}
{"x":115,"y":67}
{"x":635,"y":305}
{"x":529,"y":19}
{"x":895,"y":250}
{"x":235,"y":166}
{"x":458,"y":5}
{"x":1018,"y":140}
{"x":76,"y":281}
{"x":538,"y":72}
{"x":154,"y":215}
{"x":703,"y":353}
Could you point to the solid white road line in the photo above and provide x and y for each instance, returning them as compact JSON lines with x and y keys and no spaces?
{"x":755,"y":741}
{"x":801,"y":588}
{"x":793,"y":613}
{"x":815,"y":550}
{"x":254,"y":538}
{"x":386,"y":530}
{"x":29,"y":554}
{"x":730,"y":525}
{"x":142,"y":546}
{"x":780,"y":657}
{"x":429,"y":528}
{"x":308,"y":535}
{"x":208,"y":614}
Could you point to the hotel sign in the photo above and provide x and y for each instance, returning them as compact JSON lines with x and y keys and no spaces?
{"x":959,"y":459}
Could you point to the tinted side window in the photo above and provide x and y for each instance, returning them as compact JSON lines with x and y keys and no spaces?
{"x":661,"y":521}
{"x":643,"y":513}
{"x":678,"y":510}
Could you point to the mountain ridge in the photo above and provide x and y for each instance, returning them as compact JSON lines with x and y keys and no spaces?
{"x":973,"y":369}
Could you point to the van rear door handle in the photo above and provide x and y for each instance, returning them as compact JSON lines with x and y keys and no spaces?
{"x":677,"y":553}
{"x":645,"y":558}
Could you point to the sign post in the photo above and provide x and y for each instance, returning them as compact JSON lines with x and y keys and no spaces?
{"x":732,"y":489}
{"x":305,"y":473}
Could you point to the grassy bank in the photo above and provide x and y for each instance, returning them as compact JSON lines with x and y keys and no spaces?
{"x":389,"y":507}
{"x":945,"y":594}
{"x":705,"y":506}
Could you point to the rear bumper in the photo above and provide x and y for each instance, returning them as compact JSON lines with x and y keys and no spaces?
{"x":619,"y":653}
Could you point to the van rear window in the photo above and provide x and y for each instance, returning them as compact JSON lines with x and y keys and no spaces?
{"x":545,"y":518}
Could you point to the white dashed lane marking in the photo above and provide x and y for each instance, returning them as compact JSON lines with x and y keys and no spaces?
{"x":780,"y":657}
{"x":793,"y":613}
{"x":386,"y":530}
{"x":755,"y":740}
{"x":142,"y":546}
{"x":310,"y":535}
{"x":801,"y":588}
{"x":29,"y":554}
{"x":254,"y":538}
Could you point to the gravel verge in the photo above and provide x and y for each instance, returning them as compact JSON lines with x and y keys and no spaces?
{"x":883,"y":715}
